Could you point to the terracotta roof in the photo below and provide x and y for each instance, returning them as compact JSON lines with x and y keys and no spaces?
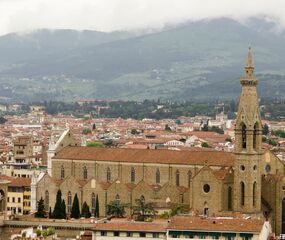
{"x":216,"y":224}
{"x":124,"y":225}
{"x":162,"y":156}
{"x":17,"y":182}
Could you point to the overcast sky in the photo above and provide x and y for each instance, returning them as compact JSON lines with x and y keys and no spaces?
{"x":108,"y":15}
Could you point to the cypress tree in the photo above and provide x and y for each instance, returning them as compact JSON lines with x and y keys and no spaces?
{"x":85,"y":211}
{"x":57,"y":211}
{"x":75,"y":211}
{"x":41,"y":209}
{"x":97,"y":207}
{"x":63,"y":210}
{"x":50,"y":213}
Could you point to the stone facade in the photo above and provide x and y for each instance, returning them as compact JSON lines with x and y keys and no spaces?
{"x":250,"y":180}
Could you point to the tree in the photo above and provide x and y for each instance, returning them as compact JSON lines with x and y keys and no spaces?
{"x":97,"y":213}
{"x":63,"y":209}
{"x":41,"y":209}
{"x":50,"y":213}
{"x":85,"y":212}
{"x":58,"y":210}
{"x":205,"y":145}
{"x":265,"y":130}
{"x":95,"y":144}
{"x":86,"y":131}
{"x":143,"y":210}
{"x":116,"y":208}
{"x":167,"y":128}
{"x":205,"y":128}
{"x":75,"y":211}
{"x":94,"y":126}
{"x":2,"y":120}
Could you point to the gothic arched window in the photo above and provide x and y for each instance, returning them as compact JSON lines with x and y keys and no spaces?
{"x":254,"y":193}
{"x":62,"y":173}
{"x":46,"y":200}
{"x":177,"y":178}
{"x":189,"y":174}
{"x":85,"y":173}
{"x":69,"y":202}
{"x":255,"y":136}
{"x":133,"y":175}
{"x":230,"y":198}
{"x":93,"y":204}
{"x":243,"y":135}
{"x":118,"y":197}
{"x":108,"y":174}
{"x":242,"y":191}
{"x":157,"y":176}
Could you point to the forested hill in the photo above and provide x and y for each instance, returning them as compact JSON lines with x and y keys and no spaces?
{"x":193,"y":61}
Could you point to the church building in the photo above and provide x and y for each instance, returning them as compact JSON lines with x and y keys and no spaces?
{"x":249,"y":181}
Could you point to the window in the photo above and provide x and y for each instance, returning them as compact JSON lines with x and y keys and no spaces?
{"x":206,"y":188}
{"x":142,"y":234}
{"x":116,"y":234}
{"x":69,"y":202}
{"x":254,"y":136}
{"x":46,"y":200}
{"x":157,"y":176}
{"x":242,"y":190}
{"x":189,"y":178}
{"x":253,"y":193}
{"x":242,"y":167}
{"x":230,"y":198}
{"x":13,"y":199}
{"x":133,"y":175}
{"x":103,"y":233}
{"x":8,"y":199}
{"x":243,"y":134}
{"x":19,"y":210}
{"x":85,"y":173}
{"x":108,"y":174}
{"x":93,"y":204}
{"x":62,"y":172}
{"x":129,"y":234}
{"x":155,"y":235}
{"x":19,"y":200}
{"x":118,"y":197}
{"x":177,"y":178}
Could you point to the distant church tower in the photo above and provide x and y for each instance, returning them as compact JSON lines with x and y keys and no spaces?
{"x":248,"y":137}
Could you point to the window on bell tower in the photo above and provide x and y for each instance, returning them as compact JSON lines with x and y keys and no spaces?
{"x":255,"y":136}
{"x":243,"y":136}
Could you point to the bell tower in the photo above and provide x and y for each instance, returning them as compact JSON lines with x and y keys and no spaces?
{"x":248,"y":140}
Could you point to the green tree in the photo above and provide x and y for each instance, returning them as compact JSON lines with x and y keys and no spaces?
{"x":86,"y":131}
{"x":75,"y":211}
{"x":2,"y":120}
{"x":97,"y":212}
{"x":205,"y":128}
{"x":85,"y":212}
{"x":63,"y":209}
{"x":58,"y":210}
{"x":116,"y":208}
{"x":50,"y":213}
{"x":167,"y":128}
{"x":143,"y":209}
{"x":41,"y":209}
{"x":265,"y":130}
{"x":95,"y":144}
{"x":205,"y":145}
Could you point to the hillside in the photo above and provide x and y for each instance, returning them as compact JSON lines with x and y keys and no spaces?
{"x":194,"y":61}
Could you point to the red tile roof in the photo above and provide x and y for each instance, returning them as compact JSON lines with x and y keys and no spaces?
{"x":162,"y":156}
{"x":216,"y":224}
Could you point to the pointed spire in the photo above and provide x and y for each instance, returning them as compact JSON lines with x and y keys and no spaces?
{"x":249,"y":60}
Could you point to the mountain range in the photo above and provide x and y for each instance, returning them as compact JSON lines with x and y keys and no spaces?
{"x":199,"y":61}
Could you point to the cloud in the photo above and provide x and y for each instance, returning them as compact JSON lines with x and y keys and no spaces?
{"x":109,"y":15}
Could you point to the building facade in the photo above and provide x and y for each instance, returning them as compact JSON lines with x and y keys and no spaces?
{"x":250,"y":180}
